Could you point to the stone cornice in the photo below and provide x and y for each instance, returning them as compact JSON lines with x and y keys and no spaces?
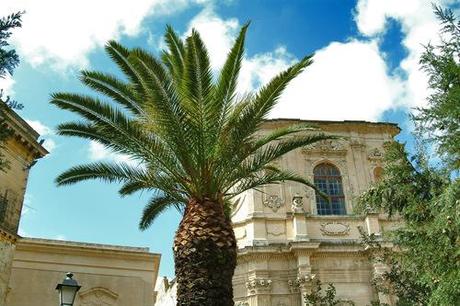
{"x":8,"y":236}
{"x":22,"y":131}
{"x":91,"y":249}
{"x":333,"y":126}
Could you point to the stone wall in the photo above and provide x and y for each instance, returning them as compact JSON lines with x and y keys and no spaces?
{"x":108,"y":275}
{"x":6,"y":258}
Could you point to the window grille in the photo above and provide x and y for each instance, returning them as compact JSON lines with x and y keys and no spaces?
{"x":327,"y":178}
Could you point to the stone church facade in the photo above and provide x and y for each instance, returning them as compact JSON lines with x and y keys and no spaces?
{"x":288,"y":236}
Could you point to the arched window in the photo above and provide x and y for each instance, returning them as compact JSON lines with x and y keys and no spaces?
{"x":328,"y":179}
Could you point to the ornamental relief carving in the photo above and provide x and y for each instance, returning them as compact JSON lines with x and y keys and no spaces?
{"x":297,"y":203}
{"x":326,"y":145}
{"x":276,"y":229}
{"x":258,"y":285}
{"x":375,"y":154}
{"x":274,"y":202}
{"x":335,"y":229}
{"x":301,"y":282}
{"x":98,"y":296}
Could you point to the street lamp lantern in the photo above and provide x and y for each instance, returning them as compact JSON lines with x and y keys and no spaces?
{"x":67,"y":290}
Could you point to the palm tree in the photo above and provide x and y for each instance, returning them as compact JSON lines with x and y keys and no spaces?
{"x":197,"y":145}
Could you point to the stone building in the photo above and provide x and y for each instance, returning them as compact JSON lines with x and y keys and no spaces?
{"x":287,"y":235}
{"x":21,"y":151}
{"x":31,"y":268}
{"x":109,"y":275}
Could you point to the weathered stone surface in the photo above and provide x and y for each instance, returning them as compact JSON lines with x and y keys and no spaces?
{"x":6,"y":258}
{"x":20,"y":150}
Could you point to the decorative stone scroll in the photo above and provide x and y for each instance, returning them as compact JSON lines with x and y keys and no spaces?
{"x":258,"y":285}
{"x":297,"y":203}
{"x":242,"y":304}
{"x":335,"y":229}
{"x":273,"y":202}
{"x":98,"y":296}
{"x":375,"y":154}
{"x":300,"y":282}
{"x":328,"y":145}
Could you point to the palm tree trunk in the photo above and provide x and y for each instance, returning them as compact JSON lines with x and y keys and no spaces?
{"x":204,"y":256}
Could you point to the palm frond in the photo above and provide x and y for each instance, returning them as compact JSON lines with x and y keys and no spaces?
{"x":174,"y":57}
{"x":156,"y":206}
{"x":120,"y":55}
{"x":108,"y":172}
{"x":268,"y":176}
{"x":109,"y":85}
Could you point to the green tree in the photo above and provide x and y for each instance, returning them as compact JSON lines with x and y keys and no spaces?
{"x":324,"y":297}
{"x":197,"y":144}
{"x":424,"y":264}
{"x":8,"y":61}
{"x":439,"y":121}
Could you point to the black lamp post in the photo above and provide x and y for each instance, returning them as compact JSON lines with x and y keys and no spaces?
{"x":67,"y":290}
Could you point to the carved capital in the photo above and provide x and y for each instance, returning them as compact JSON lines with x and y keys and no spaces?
{"x":259,"y":285}
{"x":301,"y":283}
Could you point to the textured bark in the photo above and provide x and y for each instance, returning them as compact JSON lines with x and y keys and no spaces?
{"x":204,"y":256}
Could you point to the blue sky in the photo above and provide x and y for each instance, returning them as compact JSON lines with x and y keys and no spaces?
{"x":366,"y":68}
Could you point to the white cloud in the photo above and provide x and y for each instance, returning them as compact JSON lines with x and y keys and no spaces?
{"x":419,"y":26}
{"x":44,"y":131}
{"x":347,"y":81}
{"x":6,"y":84}
{"x":261,"y":68}
{"x":217,"y":34}
{"x":63,"y":33}
{"x":98,"y":151}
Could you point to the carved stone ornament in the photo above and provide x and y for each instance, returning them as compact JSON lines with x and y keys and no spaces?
{"x":297,"y":203}
{"x":375,"y":154}
{"x":242,"y":304}
{"x":258,"y":285}
{"x":300,"y":282}
{"x":98,"y":296}
{"x":325,"y":146}
{"x":335,"y":229}
{"x":274,"y":202}
{"x":276,"y":229}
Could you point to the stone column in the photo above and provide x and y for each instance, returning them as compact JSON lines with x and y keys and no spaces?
{"x":304,"y":275}
{"x":303,"y":282}
{"x":372,"y":224}
{"x":373,"y":227}
{"x":379,"y":270}
{"x":299,"y":221}
{"x":259,"y":289}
